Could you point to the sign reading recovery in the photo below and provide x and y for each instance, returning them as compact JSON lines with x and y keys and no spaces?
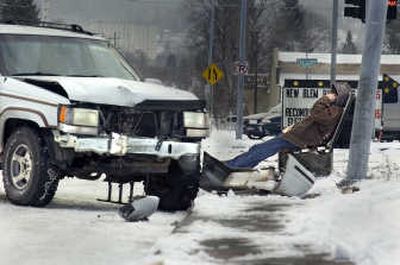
{"x":298,"y":98}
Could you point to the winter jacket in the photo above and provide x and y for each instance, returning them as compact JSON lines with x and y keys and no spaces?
{"x":318,"y":127}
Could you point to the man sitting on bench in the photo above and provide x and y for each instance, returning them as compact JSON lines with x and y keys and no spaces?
{"x":313,"y":131}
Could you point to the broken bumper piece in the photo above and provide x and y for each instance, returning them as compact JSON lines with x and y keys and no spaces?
{"x":297,"y":180}
{"x":120,"y":145}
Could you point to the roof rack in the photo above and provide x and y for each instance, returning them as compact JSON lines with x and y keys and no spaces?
{"x":69,"y":27}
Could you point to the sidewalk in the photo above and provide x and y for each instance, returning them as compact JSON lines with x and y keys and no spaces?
{"x":264,"y":218}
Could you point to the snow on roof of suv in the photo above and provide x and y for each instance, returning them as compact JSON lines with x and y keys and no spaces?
{"x":44,"y":31}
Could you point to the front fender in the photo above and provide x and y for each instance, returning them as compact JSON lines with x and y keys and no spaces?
{"x":24,"y":114}
{"x":21,"y":114}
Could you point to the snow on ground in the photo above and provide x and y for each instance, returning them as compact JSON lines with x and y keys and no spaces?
{"x":362,"y":227}
{"x":76,"y":229}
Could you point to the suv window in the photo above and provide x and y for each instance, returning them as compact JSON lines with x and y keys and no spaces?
{"x":63,"y":56}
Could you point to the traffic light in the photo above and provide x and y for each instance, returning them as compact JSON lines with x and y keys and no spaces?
{"x":356,"y":9}
{"x":392,"y":9}
{"x":390,"y":87}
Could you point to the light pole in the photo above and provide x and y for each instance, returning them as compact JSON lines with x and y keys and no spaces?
{"x":334,"y":39}
{"x":208,"y":93}
{"x":363,"y":122}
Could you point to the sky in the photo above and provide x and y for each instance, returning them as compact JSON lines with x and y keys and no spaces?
{"x":167,"y":14}
{"x":163,"y":12}
{"x":344,"y":24}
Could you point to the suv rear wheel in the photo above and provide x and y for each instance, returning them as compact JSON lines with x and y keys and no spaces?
{"x":28,"y":177}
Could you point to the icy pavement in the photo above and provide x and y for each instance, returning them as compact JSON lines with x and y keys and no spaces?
{"x":241,"y":230}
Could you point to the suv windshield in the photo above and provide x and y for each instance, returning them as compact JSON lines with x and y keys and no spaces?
{"x":61,"y":56}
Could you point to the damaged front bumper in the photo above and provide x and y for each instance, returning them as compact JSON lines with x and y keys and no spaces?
{"x":120,"y":145}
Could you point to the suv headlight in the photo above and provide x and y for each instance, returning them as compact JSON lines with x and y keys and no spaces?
{"x":78,"y":116}
{"x":78,"y":120}
{"x":195,"y":120}
{"x":196,"y":124}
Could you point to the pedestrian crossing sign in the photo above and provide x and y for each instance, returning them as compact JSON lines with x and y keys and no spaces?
{"x":213,"y":74}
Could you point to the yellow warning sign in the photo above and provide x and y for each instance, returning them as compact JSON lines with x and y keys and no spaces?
{"x":213,"y":74}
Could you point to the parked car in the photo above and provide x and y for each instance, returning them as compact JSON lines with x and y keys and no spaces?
{"x":257,"y":127}
{"x":70,"y":105}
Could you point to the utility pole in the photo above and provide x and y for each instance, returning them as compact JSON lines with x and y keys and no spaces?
{"x":363,"y":122}
{"x":115,"y":39}
{"x":242,"y":67}
{"x":208,"y":88}
{"x":255,"y":92}
{"x":335,"y":10}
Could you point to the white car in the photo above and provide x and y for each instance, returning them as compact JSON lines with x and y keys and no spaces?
{"x":70,"y":105}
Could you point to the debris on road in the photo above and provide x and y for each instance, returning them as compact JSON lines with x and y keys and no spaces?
{"x":139,"y":209}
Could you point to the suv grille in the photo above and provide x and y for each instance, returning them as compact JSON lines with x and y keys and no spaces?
{"x":131,"y":122}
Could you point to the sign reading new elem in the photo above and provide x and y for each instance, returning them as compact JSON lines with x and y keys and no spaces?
{"x":298,"y":96}
{"x":300,"y":87}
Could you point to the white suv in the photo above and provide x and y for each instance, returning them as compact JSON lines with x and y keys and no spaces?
{"x":70,"y":105}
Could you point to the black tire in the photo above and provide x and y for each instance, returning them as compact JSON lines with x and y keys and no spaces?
{"x":26,"y":157}
{"x":176,"y":190}
{"x":255,"y":137}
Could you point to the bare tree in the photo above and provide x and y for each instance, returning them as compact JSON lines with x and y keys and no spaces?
{"x":349,"y":46}
{"x":19,"y":10}
{"x":392,"y":38}
{"x":271,"y":23}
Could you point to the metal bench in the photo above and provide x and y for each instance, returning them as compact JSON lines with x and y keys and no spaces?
{"x":297,"y":170}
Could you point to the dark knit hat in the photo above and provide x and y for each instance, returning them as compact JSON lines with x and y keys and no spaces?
{"x":343,"y":91}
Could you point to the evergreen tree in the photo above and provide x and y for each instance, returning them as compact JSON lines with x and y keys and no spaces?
{"x":349,"y":47}
{"x":19,"y":10}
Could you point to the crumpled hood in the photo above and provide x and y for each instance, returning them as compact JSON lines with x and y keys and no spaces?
{"x":114,"y":91}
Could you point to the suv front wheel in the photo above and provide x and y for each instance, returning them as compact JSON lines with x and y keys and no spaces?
{"x":176,"y":190}
{"x":28,"y":177}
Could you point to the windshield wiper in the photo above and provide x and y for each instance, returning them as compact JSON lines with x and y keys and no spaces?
{"x":78,"y":75}
{"x":35,"y":73}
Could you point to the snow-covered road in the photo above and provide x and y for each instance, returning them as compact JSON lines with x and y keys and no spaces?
{"x":76,"y":229}
{"x":360,"y":228}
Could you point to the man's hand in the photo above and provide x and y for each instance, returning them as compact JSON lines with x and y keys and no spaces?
{"x":287,"y":129}
{"x":331,"y":96}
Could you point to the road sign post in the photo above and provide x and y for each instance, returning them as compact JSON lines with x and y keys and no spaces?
{"x":334,"y":33}
{"x":242,"y":57}
{"x":208,"y":90}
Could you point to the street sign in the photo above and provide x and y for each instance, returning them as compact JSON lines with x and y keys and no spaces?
{"x":250,"y":80}
{"x":307,"y":62}
{"x":241,"y":67}
{"x":213,"y":74}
